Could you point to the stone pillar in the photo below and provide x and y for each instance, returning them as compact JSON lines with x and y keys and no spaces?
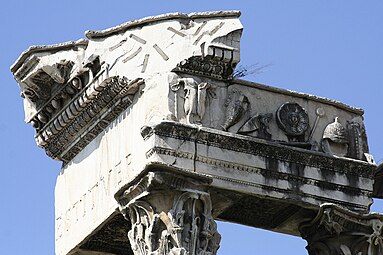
{"x":170,"y":214}
{"x":337,"y":231}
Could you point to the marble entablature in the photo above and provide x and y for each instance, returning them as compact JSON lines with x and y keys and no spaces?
{"x":159,"y":95}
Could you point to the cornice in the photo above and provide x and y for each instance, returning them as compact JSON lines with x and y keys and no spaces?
{"x":260,"y":147}
{"x":86,"y":116}
{"x":287,"y":92}
{"x":46,"y":48}
{"x":269,"y":174}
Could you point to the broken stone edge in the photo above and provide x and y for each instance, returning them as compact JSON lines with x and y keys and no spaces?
{"x":288,"y":92}
{"x":46,"y":48}
{"x":90,"y":34}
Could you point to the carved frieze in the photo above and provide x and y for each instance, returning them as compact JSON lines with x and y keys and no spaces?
{"x":191,"y":95}
{"x":358,"y":147}
{"x":336,"y":230}
{"x":198,"y":124}
{"x":335,"y":139}
{"x":293,"y":120}
{"x":236,"y":106}
{"x":259,"y":124}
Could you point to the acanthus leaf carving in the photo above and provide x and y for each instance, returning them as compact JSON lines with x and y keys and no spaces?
{"x":169,"y":216}
{"x":336,"y":230}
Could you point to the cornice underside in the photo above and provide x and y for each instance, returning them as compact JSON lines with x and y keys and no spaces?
{"x":90,"y":120}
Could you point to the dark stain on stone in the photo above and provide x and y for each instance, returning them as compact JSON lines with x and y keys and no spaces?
{"x":327,"y":175}
{"x":272,"y":166}
{"x":298,"y":171}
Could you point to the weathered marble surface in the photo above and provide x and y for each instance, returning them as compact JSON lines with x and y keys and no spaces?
{"x":336,"y":230}
{"x":158,"y":95}
{"x":378,"y":183}
{"x":76,"y":88}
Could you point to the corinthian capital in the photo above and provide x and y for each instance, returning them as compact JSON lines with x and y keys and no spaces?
{"x":170,"y":214}
{"x":337,"y":231}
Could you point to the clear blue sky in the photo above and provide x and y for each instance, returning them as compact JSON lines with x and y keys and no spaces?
{"x":328,"y":48}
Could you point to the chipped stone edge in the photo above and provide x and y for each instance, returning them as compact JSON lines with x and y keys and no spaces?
{"x":90,"y":34}
{"x":319,"y":99}
{"x":45,"y":48}
{"x":156,"y":129}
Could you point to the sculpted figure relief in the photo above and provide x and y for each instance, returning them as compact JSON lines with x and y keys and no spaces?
{"x":194,"y":93}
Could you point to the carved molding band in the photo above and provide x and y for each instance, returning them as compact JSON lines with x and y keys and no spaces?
{"x":90,"y":113}
{"x":208,"y":67}
{"x":258,"y":147}
{"x":271,"y":175}
{"x":170,"y":214}
{"x":337,"y":231}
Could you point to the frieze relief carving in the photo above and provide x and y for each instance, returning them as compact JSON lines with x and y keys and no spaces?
{"x":191,"y":94}
{"x":358,"y":147}
{"x":238,"y":120}
{"x":170,"y":214}
{"x":338,"y":231}
{"x":259,"y":124}
{"x":61,"y":84}
{"x":335,"y":139}
{"x":243,"y":117}
{"x":293,"y":120}
{"x":346,"y":141}
{"x":236,"y":107}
